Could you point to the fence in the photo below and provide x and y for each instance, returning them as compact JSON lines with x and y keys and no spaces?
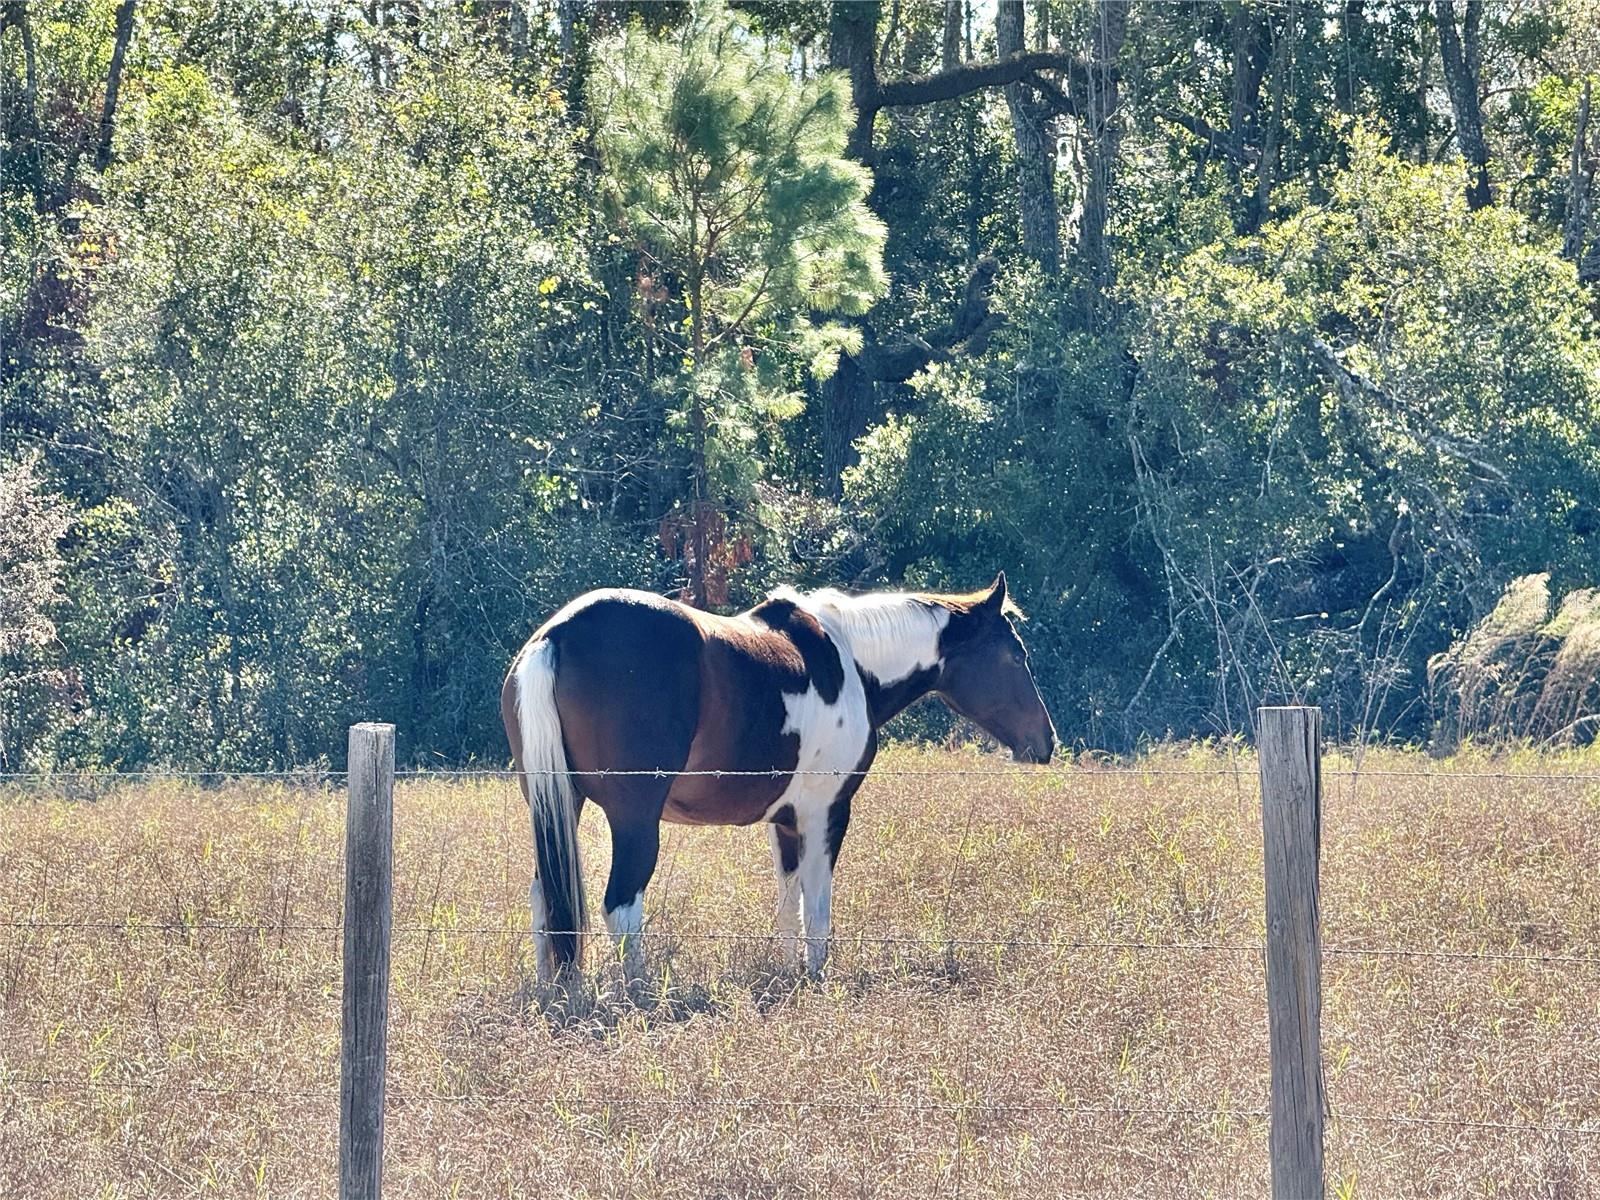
{"x":1291,"y":801}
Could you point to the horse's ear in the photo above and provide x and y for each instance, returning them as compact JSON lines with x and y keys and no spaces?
{"x":995,"y":601}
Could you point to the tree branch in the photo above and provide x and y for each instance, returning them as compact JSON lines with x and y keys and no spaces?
{"x":1050,"y":92}
{"x":1201,"y":128}
{"x":968,"y":333}
{"x":974,"y":77}
{"x":119,"y":52}
{"x":1355,"y":388}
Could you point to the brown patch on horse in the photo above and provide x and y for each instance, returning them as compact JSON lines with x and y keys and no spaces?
{"x":823,"y":666}
{"x":628,"y":688}
{"x":508,"y":715}
{"x":746,"y":670}
{"x":789,"y":840}
{"x":839,"y":810}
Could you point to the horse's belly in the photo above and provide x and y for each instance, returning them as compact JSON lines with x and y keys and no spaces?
{"x":818,"y":747}
{"x":726,"y":801}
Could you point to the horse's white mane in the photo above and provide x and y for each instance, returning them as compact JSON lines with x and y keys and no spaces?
{"x":890,"y":634}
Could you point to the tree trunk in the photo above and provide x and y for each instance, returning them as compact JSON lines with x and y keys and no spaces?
{"x":889,"y":33}
{"x":852,"y":32}
{"x":1267,"y":168}
{"x":954,"y":10}
{"x":1459,"y":52}
{"x":1033,"y":132}
{"x":30,"y":69}
{"x":517,"y":32}
{"x":1580,"y":183}
{"x":1352,"y":33}
{"x":974,"y":165}
{"x":697,"y":416}
{"x":849,"y":399}
{"x":1102,"y":139}
{"x":849,"y":402}
{"x":119,"y":53}
{"x":1251,"y":34}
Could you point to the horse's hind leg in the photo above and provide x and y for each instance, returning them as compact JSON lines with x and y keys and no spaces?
{"x":635,"y":847}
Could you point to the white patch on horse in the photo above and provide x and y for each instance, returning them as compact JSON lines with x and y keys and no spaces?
{"x":816,"y":882}
{"x":890,"y":634}
{"x":625,"y":923}
{"x":830,"y":748}
{"x":833,"y":739}
{"x":788,"y":914}
{"x":552,"y":797}
{"x":626,"y":918}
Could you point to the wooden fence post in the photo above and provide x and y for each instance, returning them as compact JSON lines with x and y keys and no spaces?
{"x":1289,"y":746}
{"x":368,"y":895}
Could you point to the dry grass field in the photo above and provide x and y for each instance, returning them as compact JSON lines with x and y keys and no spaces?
{"x":1034,"y":1033}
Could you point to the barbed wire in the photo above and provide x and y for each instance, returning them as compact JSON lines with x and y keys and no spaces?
{"x":1587,"y":1127}
{"x":573,"y":1101}
{"x":1588,"y":960}
{"x":929,"y":941}
{"x":1128,"y":773}
{"x":669,"y":1103}
{"x":837,"y":941}
{"x":307,"y":774}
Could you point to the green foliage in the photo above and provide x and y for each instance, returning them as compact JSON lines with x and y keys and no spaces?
{"x":730,"y":178}
{"x":387,"y":332}
{"x":1385,"y":377}
{"x":324,"y":392}
{"x":731,"y":175}
{"x":34,"y":689}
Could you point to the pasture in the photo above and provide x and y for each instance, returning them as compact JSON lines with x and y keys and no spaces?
{"x":1044,"y":982}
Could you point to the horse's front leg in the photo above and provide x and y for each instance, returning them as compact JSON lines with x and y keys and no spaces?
{"x":819,"y":852}
{"x":786,"y":846}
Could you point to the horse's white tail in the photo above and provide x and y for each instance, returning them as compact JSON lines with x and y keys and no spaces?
{"x":552,"y":802}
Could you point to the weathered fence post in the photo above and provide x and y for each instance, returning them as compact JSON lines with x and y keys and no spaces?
{"x":368,"y":892}
{"x":1289,"y":745}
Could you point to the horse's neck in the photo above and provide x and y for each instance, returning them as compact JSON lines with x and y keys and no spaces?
{"x":886,"y":701}
{"x":894,"y":638}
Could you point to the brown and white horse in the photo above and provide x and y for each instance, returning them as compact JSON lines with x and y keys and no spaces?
{"x":633,"y":701}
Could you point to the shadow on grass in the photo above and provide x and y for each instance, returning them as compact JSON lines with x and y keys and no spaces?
{"x":674,"y":986}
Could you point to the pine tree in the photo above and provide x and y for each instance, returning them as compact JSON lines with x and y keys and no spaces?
{"x":729,"y":174}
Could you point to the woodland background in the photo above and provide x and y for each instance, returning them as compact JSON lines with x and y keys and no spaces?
{"x":340,"y":343}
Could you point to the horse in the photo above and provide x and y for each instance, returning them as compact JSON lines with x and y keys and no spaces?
{"x":657,"y":711}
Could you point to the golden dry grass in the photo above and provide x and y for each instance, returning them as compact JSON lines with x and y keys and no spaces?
{"x":195,"y":1061}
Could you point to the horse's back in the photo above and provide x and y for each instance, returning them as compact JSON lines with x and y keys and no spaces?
{"x":627,"y":680}
{"x":645,"y":684}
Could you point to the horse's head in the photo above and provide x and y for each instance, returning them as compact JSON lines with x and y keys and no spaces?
{"x":986,"y":678}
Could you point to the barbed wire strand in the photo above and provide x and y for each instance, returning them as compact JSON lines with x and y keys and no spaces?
{"x":928,"y":941}
{"x":1130,"y":773}
{"x":865,"y":1103}
{"x":587,"y":1101}
{"x":923,"y":941}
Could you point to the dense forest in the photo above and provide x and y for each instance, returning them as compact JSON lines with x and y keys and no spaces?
{"x":341,"y":342}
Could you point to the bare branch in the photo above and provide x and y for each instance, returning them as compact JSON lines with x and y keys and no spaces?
{"x":973,"y":77}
